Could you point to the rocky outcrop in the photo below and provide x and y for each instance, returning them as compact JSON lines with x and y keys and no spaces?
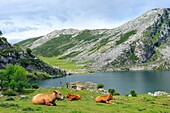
{"x":90,"y":86}
{"x":14,"y":55}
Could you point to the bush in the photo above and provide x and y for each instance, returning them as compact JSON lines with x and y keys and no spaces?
{"x":29,"y":51}
{"x":0,"y":33}
{"x":35,"y":86}
{"x":10,"y":93}
{"x":100,"y":86}
{"x":116,"y":93}
{"x":133,"y":93}
{"x":112,"y":91}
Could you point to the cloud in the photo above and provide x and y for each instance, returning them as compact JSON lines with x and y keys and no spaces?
{"x":20,"y":19}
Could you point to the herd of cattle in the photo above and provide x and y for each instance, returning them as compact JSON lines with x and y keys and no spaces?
{"x":49,"y":99}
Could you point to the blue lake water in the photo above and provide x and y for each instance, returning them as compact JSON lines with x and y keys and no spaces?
{"x":123,"y":82}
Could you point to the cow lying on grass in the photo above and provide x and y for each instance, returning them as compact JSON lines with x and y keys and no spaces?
{"x":73,"y":97}
{"x":105,"y":99}
{"x":47,"y":99}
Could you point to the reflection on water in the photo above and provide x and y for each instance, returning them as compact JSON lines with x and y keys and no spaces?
{"x":123,"y":82}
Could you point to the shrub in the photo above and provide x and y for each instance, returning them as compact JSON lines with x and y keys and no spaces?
{"x":133,"y":93}
{"x":35,"y":86}
{"x":100,"y":86}
{"x":112,"y":91}
{"x":10,"y":93}
{"x":116,"y":93}
{"x":0,"y":33}
{"x":29,"y":51}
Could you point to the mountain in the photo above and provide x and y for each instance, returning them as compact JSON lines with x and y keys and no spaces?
{"x":14,"y":55}
{"x":143,"y":43}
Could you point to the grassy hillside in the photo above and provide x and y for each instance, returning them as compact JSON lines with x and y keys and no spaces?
{"x":28,"y":42}
{"x":66,"y":65}
{"x":141,"y":103}
{"x":60,"y":44}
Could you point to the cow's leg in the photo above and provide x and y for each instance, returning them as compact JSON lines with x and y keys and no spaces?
{"x":70,"y":98}
{"x":48,"y":103}
{"x":107,"y":102}
{"x":54,"y":104}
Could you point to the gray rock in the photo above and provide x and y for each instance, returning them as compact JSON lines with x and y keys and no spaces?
{"x":9,"y":98}
{"x":23,"y":97}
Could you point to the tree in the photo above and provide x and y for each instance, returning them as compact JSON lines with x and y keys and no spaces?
{"x":29,"y":51}
{"x":0,"y":33}
{"x":10,"y":70}
{"x":112,"y":91}
{"x":14,"y":77}
{"x":3,"y":80}
{"x":133,"y":93}
{"x":100,"y":86}
{"x":12,"y":84}
{"x":20,"y":78}
{"x":35,"y":86}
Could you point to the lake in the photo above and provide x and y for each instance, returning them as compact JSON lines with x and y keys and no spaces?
{"x":140,"y":81}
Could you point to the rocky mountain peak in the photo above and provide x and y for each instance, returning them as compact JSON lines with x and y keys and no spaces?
{"x":135,"y":42}
{"x":53,"y":34}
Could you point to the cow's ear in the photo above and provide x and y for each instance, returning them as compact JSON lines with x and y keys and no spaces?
{"x":55,"y":92}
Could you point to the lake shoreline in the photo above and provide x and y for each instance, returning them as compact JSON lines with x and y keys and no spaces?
{"x":140,"y":81}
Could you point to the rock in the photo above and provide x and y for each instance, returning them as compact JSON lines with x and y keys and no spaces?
{"x":149,"y":93}
{"x":90,"y":86}
{"x":129,"y":95}
{"x":1,"y":95}
{"x":9,"y":98}
{"x":160,"y":93}
{"x":23,"y":97}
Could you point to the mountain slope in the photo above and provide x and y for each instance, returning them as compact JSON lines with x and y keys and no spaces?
{"x":138,"y":42}
{"x":14,"y":55}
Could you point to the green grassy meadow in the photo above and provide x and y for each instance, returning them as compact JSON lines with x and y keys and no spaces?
{"x":123,"y":104}
{"x":66,"y":65}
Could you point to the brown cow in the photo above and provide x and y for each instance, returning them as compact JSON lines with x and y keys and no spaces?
{"x":73,"y":97}
{"x":47,"y":99}
{"x":105,"y":99}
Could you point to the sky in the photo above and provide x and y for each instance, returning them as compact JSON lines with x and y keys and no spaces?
{"x":22,"y":19}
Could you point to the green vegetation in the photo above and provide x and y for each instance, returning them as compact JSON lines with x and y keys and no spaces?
{"x":29,"y":51}
{"x":14,"y":78}
{"x":35,"y":86}
{"x":66,"y":65}
{"x":0,"y":33}
{"x":133,"y":57}
{"x":72,"y":54}
{"x":156,"y":37}
{"x":100,"y":86}
{"x":124,"y":37}
{"x":141,"y":104}
{"x":86,"y":35}
{"x":27,"y":42}
{"x":100,"y":44}
{"x":9,"y":93}
{"x":60,"y":44}
{"x":133,"y":93}
{"x":112,"y":91}
{"x":55,"y":46}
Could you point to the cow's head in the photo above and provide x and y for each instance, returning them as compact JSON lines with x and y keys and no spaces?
{"x":58,"y":94}
{"x":68,"y":95}
{"x":110,"y":97}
